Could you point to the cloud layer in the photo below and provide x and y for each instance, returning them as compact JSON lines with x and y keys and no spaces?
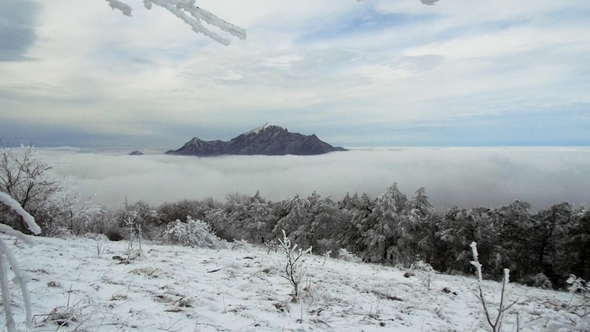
{"x":467,"y":177}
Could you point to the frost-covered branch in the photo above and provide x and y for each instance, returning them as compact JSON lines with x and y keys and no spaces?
{"x":13,"y":204}
{"x":20,"y":277}
{"x":10,"y":326}
{"x":123,"y":7}
{"x":190,"y":14}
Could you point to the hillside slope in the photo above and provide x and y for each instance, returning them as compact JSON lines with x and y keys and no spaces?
{"x":172,"y":288}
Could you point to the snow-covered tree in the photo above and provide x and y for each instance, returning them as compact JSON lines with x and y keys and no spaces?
{"x":27,"y":179}
{"x":259,"y":219}
{"x":236,"y":209}
{"x":355,"y":216}
{"x":456,"y":231}
{"x":547,"y":232}
{"x":325,"y":224}
{"x":417,"y":228}
{"x":296,"y":220}
{"x":191,"y":14}
{"x":576,"y":243}
{"x":419,"y":206}
{"x":382,"y":232}
{"x":513,"y":249}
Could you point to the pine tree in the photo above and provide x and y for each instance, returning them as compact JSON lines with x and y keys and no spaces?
{"x":382,"y":232}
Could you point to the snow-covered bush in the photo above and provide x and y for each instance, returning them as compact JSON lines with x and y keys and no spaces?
{"x":193,"y":233}
{"x":421,"y":266}
{"x":344,"y":255}
{"x":6,"y":255}
{"x":241,"y":245}
{"x":540,"y":280}
{"x":425,"y":272}
{"x":581,"y":290}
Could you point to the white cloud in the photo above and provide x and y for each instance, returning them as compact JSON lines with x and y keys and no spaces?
{"x":467,"y":177}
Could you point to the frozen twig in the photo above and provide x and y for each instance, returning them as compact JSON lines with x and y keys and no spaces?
{"x":496,"y":324}
{"x":294,"y":270}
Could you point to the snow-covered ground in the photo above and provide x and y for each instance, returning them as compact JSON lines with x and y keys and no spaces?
{"x":173,"y":288}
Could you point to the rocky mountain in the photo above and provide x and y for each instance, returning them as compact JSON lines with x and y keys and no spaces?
{"x":270,"y":140}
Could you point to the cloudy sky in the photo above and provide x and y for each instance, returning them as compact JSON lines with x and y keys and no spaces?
{"x":368,"y":73}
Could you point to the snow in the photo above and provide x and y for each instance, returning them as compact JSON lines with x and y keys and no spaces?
{"x":174,"y":288}
{"x":259,"y":129}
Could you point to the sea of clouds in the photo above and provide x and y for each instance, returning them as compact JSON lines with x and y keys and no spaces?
{"x":466,"y":177}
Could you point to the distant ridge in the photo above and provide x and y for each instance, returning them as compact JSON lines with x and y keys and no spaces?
{"x":269,"y":140}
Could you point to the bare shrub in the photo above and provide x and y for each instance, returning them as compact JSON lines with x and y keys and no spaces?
{"x":294,"y":268}
{"x":344,"y":255}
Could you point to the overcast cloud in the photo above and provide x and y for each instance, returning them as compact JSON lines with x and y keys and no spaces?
{"x":368,"y":73}
{"x":467,"y":177}
{"x":17,"y":28}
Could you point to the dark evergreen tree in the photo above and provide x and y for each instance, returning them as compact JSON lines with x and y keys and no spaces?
{"x":547,"y":239}
{"x":577,"y":244}
{"x":456,"y":231}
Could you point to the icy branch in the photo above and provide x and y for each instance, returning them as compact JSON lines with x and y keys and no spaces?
{"x":33,"y":227}
{"x":187,"y":11}
{"x":123,"y":7}
{"x":23,"y":237}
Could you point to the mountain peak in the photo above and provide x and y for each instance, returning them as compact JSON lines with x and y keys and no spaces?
{"x":261,"y":128}
{"x":269,"y":139}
